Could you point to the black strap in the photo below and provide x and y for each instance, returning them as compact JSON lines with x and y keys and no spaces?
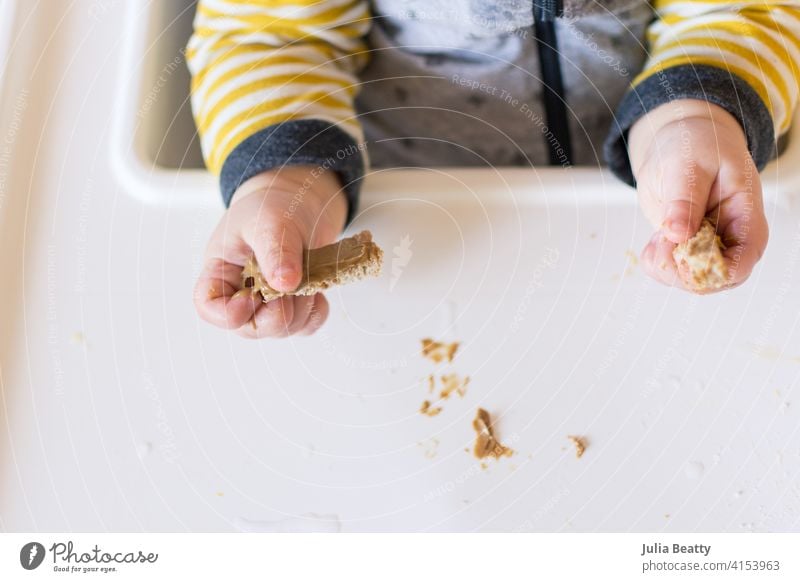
{"x":555,"y":106}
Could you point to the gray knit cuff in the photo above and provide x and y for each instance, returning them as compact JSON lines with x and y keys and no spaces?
{"x":297,"y":143}
{"x":702,"y":82}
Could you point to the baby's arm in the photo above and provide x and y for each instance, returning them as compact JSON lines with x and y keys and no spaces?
{"x":273,"y":85}
{"x":701,"y":121}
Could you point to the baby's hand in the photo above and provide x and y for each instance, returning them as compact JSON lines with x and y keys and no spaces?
{"x":274,"y":217}
{"x":690,"y":159}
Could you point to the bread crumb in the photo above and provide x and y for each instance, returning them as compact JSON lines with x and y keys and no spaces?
{"x":633,"y":261}
{"x":451,"y":350}
{"x":438,"y":352}
{"x":453,"y":383}
{"x":430,"y":448}
{"x":702,"y":256}
{"x":580,"y":445}
{"x":486,"y":443}
{"x":427,"y":410}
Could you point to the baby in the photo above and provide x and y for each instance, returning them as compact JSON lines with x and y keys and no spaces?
{"x":685,"y":100}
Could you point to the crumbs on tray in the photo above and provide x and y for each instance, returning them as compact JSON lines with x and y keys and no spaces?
{"x":438,"y":352}
{"x":580,"y":444}
{"x":486,"y":443}
{"x":451,"y":383}
{"x":429,"y":410}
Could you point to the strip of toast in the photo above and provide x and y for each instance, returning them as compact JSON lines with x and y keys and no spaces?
{"x":350,"y":259}
{"x":702,"y":255}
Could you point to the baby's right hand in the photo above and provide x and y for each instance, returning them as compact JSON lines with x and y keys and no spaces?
{"x":273,"y":216}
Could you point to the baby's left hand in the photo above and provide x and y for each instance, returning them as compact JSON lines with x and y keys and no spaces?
{"x":690,"y":160}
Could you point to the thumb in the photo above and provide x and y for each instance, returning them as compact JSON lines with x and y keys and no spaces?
{"x":685,"y":203}
{"x":279,"y":253}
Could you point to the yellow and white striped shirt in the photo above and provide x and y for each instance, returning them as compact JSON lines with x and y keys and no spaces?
{"x":256,"y":63}
{"x":757,"y":41}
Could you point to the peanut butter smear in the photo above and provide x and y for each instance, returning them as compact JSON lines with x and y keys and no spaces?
{"x":339,"y":263}
{"x":702,"y":255}
{"x":486,"y":444}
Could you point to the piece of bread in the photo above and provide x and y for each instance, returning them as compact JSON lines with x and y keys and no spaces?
{"x":580,"y":444}
{"x":702,"y":255}
{"x":437,"y":352}
{"x":339,"y":263}
{"x":486,"y":443}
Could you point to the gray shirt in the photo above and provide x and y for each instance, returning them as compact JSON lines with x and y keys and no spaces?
{"x":458,"y":82}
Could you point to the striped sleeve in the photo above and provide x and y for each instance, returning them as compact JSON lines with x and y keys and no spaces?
{"x":273,"y":83}
{"x":742,"y":56}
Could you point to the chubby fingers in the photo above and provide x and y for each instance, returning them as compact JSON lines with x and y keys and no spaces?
{"x":288,"y":315}
{"x":658,"y":262}
{"x":278,"y":247}
{"x":685,"y":193}
{"x":214,"y":297}
{"x":744,"y":230}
